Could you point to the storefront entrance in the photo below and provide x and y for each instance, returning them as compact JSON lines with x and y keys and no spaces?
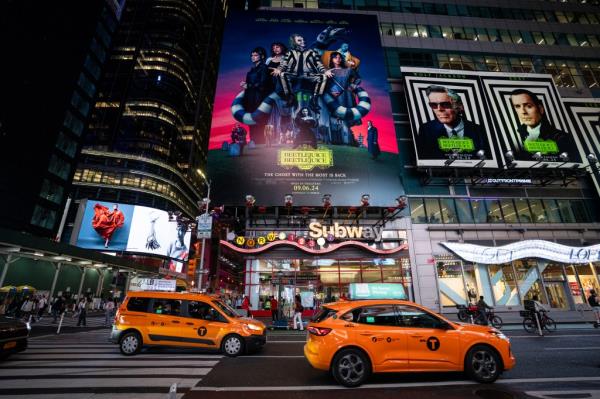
{"x":317,"y":281}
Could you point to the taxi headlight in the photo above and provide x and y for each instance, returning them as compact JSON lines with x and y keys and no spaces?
{"x":499,"y":334}
{"x":252,"y":327}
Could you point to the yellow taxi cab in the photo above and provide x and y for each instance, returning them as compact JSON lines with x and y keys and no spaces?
{"x":353,"y":339}
{"x":184,"y":319}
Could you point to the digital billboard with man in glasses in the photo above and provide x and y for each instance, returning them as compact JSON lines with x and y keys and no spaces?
{"x":450,"y":124}
{"x":450,"y":132}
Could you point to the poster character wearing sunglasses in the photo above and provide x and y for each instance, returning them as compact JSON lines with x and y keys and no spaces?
{"x":450,"y":132}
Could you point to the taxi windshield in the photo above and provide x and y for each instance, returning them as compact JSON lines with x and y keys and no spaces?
{"x":228,"y":310}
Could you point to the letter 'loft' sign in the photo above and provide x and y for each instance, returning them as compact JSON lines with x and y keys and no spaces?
{"x":524,"y":249}
{"x":338,"y":231}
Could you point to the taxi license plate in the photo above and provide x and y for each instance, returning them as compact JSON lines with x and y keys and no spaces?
{"x":10,"y":345}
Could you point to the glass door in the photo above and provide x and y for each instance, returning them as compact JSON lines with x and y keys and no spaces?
{"x":557,"y":294}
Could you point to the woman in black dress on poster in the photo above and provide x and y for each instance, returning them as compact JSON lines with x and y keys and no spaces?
{"x":306,"y":125}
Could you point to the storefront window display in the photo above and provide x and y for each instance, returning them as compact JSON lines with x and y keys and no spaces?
{"x":588,"y":279}
{"x":504,"y":286}
{"x":317,"y":281}
{"x":528,"y":279}
{"x":556,"y":285}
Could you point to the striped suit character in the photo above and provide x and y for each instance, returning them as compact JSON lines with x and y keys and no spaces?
{"x":298,"y":65}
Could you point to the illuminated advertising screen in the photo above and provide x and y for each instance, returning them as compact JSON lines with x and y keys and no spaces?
{"x":302,"y":108}
{"x":585,"y":115}
{"x":114,"y":227}
{"x":460,"y":118}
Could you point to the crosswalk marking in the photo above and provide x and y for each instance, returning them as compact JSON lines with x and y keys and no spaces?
{"x":84,"y":363}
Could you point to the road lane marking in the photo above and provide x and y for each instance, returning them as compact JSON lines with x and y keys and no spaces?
{"x":101,"y":371}
{"x":573,"y":348}
{"x":108,"y":363}
{"x":115,"y":355}
{"x":392,"y":385}
{"x":116,"y":383}
{"x":286,"y":342}
{"x":554,"y":336}
{"x":591,"y":394}
{"x":273,"y":356}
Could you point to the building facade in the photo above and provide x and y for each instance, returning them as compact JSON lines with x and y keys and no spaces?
{"x":556,"y":219}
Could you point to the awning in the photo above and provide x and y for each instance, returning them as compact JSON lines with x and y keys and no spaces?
{"x":524,"y":249}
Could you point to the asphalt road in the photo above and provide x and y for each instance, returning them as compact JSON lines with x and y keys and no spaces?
{"x":566,"y":361}
{"x":83,"y":364}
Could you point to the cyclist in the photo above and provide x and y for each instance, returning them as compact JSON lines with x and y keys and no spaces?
{"x":482,"y":308}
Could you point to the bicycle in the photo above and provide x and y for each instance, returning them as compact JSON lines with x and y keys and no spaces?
{"x":530,"y":325}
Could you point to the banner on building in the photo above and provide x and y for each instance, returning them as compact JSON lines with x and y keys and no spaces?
{"x":302,"y":108}
{"x":512,"y":120}
{"x":109,"y":226}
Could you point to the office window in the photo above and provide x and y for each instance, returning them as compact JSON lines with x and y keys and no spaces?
{"x":43,"y":217}
{"x":399,"y":30}
{"x":86,"y":85}
{"x":565,"y":210}
{"x":494,"y":212}
{"x":387,"y":29}
{"x":447,"y":32}
{"x":51,"y":191}
{"x":436,"y":31}
{"x":538,"y":213}
{"x":66,"y":145}
{"x":417,"y":210}
{"x":80,"y":104}
{"x":552,"y":211}
{"x":59,"y":167}
{"x":73,"y":123}
{"x":434,"y":214}
{"x":508,"y":211}
{"x":463,"y":210}
{"x":523,"y":211}
{"x":448,"y":210}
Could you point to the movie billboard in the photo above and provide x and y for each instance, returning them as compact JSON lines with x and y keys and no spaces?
{"x":460,"y":118}
{"x":302,"y":108}
{"x":585,"y":115}
{"x":450,"y":123}
{"x":114,"y":227}
{"x":531,"y":120}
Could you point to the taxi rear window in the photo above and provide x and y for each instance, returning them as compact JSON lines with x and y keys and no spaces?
{"x":323,"y":314}
{"x":136,"y":304}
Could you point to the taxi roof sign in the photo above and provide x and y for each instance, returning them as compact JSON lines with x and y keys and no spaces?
{"x":377,"y":291}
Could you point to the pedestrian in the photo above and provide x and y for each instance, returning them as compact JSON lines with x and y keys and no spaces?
{"x":27,"y":308}
{"x":109,"y":308}
{"x":246,"y":305}
{"x":57,"y":308}
{"x":482,"y":308}
{"x":274,"y":309}
{"x":594,"y":304}
{"x":298,"y":309}
{"x":82,"y":312}
{"x":42,"y":305}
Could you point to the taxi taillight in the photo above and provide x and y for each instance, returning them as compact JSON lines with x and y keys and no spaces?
{"x":319,"y":331}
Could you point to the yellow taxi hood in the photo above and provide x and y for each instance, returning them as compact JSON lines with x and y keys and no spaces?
{"x":254,"y":322}
{"x":474,"y":328}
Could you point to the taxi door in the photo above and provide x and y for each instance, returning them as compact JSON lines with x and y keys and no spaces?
{"x":204,"y":325}
{"x":376,"y":329}
{"x":431,"y":346}
{"x":165,"y":322}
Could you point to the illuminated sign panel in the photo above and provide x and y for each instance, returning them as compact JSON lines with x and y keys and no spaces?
{"x":311,"y":128}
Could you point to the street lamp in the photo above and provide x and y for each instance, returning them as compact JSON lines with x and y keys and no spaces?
{"x":481,"y":156}
{"x":205,"y":203}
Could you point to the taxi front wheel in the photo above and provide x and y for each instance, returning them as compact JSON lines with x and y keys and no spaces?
{"x":130,"y":343}
{"x":351,"y":367}
{"x":232,"y":345}
{"x":483,"y":364}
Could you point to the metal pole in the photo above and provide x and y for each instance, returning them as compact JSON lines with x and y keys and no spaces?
{"x":54,"y":280}
{"x":100,"y":282}
{"x":201,"y":271}
{"x":5,"y":270}
{"x":83,"y":270}
{"x":62,"y":316}
{"x":63,"y":220}
{"x":539,"y":324}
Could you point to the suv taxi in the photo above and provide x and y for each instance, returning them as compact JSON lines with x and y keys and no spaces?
{"x":352,"y":339}
{"x":184,"y":319}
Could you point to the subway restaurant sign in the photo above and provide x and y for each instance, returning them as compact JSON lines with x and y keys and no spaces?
{"x":377,"y":291}
{"x":337,"y":231}
{"x":524,"y":249}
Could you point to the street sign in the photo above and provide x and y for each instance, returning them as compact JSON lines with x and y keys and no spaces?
{"x":204,"y":226}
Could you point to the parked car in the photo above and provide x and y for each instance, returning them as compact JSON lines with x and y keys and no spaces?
{"x":353,"y":339}
{"x":184,"y":320}
{"x":13,"y":336}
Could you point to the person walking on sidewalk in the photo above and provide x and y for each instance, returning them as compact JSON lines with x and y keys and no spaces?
{"x":57,"y":308}
{"x":27,"y":308}
{"x":82,"y":310}
{"x":41,"y":306}
{"x":594,"y":304}
{"x":109,"y":311}
{"x":274,"y":305}
{"x":298,"y":309}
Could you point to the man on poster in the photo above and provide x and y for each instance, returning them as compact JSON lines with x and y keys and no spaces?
{"x":299,"y":65}
{"x":535,"y":131}
{"x":450,"y":132}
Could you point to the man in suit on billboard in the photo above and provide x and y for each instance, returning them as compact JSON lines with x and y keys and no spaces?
{"x":449,"y":123}
{"x":535,"y":131}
